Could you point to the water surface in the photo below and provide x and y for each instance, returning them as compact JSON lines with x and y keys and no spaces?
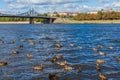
{"x":87,"y":36}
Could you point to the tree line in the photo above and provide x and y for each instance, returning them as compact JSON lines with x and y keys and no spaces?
{"x":8,"y":19}
{"x":100,"y":15}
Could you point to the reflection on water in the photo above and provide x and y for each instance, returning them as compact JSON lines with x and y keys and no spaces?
{"x":85,"y":37}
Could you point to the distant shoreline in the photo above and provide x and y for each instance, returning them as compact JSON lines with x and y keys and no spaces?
{"x":68,"y":21}
{"x":93,"y":21}
{"x":26,"y":22}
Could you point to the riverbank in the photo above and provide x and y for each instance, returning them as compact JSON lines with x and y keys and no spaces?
{"x":71,"y":21}
{"x":96,"y":21}
{"x":26,"y":22}
{"x":14,"y":22}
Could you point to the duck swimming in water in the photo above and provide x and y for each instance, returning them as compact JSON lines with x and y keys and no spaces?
{"x":62,"y":63}
{"x":15,"y":51}
{"x":31,"y":42}
{"x":3,"y":63}
{"x":39,"y":68}
{"x":99,"y":61}
{"x":72,"y":44}
{"x":99,"y":46}
{"x":118,"y":58}
{"x":29,"y":56}
{"x":21,"y":46}
{"x":95,"y":50}
{"x":98,"y":67}
{"x":102,"y":77}
{"x":66,"y":67}
{"x":53,"y":77}
{"x":79,"y":69}
{"x":110,"y":47}
{"x":101,"y":53}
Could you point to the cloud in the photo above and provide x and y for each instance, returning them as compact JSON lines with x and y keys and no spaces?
{"x":47,"y":2}
{"x":104,"y":1}
{"x":116,"y":4}
{"x":62,"y":5}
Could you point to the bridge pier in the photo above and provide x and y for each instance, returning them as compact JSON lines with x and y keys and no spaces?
{"x":31,"y":20}
{"x":49,"y":21}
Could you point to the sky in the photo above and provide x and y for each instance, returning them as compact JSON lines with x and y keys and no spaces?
{"x":44,"y":6}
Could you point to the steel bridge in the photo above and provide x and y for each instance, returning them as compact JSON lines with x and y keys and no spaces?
{"x":31,"y":14}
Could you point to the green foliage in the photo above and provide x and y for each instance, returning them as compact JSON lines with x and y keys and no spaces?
{"x":7,"y":19}
{"x":109,"y":15}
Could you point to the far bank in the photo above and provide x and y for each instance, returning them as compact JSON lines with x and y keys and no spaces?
{"x":69,"y":21}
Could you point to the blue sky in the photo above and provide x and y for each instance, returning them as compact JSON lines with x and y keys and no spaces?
{"x":42,"y":6}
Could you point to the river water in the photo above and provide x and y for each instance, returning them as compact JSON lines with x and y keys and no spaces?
{"x":85,"y":37}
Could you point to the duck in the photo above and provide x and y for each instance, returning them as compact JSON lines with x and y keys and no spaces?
{"x":101,"y":53}
{"x":32,"y":42}
{"x":95,"y":50}
{"x":21,"y":46}
{"x":53,"y":59}
{"x":13,"y":42}
{"x":62,"y":63}
{"x":99,"y":61}
{"x":99,"y":46}
{"x":3,"y":63}
{"x":57,"y":48}
{"x":66,"y":67}
{"x":22,"y":40}
{"x":102,"y":77}
{"x":15,"y":51}
{"x":98,"y":67}
{"x":110,"y":47}
{"x":39,"y":68}
{"x":118,"y":58}
{"x":53,"y":77}
{"x":80,"y":47}
{"x":79,"y":69}
{"x":72,"y":44}
{"x":29,"y":56}
{"x":58,"y":45}
{"x":58,"y":57}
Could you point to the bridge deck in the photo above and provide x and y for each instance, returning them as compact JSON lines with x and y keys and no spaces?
{"x":43,"y":17}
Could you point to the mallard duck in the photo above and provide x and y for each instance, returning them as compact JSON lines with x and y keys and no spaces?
{"x":39,"y":68}
{"x":3,"y":63}
{"x":118,"y":58}
{"x":72,"y":44}
{"x":15,"y":51}
{"x":99,"y":46}
{"x":102,"y":77}
{"x":98,"y":67}
{"x":99,"y":61}
{"x":80,"y":47}
{"x":12,"y":42}
{"x":59,"y":57}
{"x":53,"y":77}
{"x":66,"y":67}
{"x":21,"y":46}
{"x":101,"y":53}
{"x":57,"y":48}
{"x":62,"y":63}
{"x":29,"y":56}
{"x":110,"y":47}
{"x":32,"y":42}
{"x":58,"y":45}
{"x":53,"y":59}
{"x":95,"y":50}
{"x":79,"y":69}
